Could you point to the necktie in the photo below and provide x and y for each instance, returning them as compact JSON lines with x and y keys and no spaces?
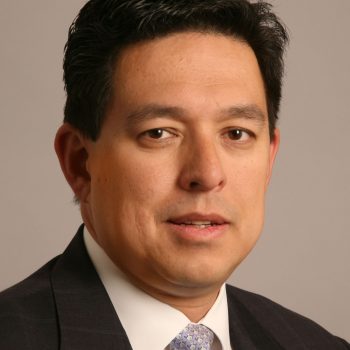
{"x":193,"y":337}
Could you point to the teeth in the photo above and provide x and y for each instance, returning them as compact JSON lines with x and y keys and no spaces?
{"x":198,"y":223}
{"x":199,"y":226}
{"x":202,"y":226}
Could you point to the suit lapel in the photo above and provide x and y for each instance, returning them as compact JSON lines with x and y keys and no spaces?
{"x":245,"y":330}
{"x":86,"y":316}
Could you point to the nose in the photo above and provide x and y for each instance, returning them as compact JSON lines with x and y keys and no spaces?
{"x":202,"y":169}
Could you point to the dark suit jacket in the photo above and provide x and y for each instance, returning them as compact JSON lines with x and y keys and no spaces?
{"x":65,"y":306}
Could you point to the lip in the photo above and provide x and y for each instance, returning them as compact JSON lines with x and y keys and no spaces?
{"x":195,"y":233}
{"x":214,"y":218}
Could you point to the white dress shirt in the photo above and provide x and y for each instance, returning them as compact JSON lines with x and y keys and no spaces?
{"x":149,"y":323}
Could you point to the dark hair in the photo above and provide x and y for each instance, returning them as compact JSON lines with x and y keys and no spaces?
{"x":104,"y":27}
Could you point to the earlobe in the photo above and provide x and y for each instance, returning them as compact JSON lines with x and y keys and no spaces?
{"x":70,"y":147}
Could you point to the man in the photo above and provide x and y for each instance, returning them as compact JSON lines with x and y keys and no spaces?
{"x":168,"y":143}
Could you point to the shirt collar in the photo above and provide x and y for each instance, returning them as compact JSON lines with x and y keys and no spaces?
{"x":149,"y":323}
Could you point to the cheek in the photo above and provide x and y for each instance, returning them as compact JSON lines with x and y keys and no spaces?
{"x":144,"y":181}
{"x":131,"y":187}
{"x":124,"y":198}
{"x":249,"y":196}
{"x":118,"y":177}
{"x":249,"y":180}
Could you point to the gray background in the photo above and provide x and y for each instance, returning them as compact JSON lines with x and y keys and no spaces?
{"x":302,"y":259}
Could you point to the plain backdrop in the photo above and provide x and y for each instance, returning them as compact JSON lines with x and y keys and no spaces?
{"x":302,"y":259}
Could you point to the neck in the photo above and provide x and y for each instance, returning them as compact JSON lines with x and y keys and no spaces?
{"x":193,"y":305}
{"x":194,"y":309}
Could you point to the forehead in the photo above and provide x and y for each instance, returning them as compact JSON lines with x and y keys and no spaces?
{"x":191,"y":68}
{"x":189,"y":50}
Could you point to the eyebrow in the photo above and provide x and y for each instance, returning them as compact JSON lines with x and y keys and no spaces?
{"x":150,"y":111}
{"x":250,"y":111}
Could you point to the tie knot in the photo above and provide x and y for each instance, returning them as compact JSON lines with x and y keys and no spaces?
{"x":193,"y":337}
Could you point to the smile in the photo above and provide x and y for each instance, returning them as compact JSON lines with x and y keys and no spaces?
{"x":198,"y":227}
{"x":200,"y":224}
{"x":198,"y":219}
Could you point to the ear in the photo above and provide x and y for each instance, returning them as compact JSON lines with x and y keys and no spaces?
{"x":70,"y":147}
{"x":274,"y":146}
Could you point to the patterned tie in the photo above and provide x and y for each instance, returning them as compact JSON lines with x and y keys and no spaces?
{"x":193,"y":337}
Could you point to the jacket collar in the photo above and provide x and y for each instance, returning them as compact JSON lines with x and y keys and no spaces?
{"x":246,"y":329}
{"x":86,"y":317}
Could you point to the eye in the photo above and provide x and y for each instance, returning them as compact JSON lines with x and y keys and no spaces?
{"x":239,"y":135}
{"x":157,"y":134}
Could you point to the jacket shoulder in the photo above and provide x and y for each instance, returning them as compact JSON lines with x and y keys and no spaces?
{"x":27,"y":313}
{"x":283,"y":323}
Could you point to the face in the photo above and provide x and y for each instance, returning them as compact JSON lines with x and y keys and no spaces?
{"x":179,"y":173}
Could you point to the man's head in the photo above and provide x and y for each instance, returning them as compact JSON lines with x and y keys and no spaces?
{"x":170,"y":134}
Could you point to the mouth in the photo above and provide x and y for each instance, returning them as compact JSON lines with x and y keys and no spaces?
{"x":201,"y":220}
{"x":199,"y":226}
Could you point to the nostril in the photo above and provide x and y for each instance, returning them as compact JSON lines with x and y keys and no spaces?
{"x":194,"y":184}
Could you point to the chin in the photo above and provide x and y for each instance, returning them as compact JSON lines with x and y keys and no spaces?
{"x":200,"y":277}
